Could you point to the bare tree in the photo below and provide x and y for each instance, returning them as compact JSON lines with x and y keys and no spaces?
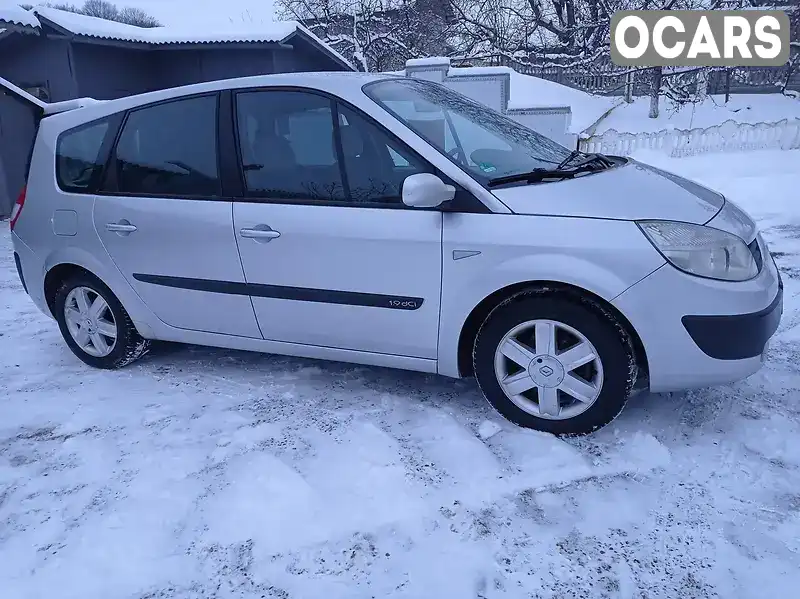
{"x":792,"y":8}
{"x":573,"y":36}
{"x":136,"y":16}
{"x":377,"y":35}
{"x":570,"y":37}
{"x":103,"y":9}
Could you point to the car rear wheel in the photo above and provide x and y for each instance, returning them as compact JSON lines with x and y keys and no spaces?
{"x":95,"y":325}
{"x":554,"y":364}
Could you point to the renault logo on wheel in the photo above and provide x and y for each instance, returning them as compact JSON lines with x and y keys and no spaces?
{"x":546,"y":370}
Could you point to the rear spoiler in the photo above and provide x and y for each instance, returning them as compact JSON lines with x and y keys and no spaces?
{"x":43,"y":109}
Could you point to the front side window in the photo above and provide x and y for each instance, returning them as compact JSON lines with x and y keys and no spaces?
{"x":286,"y":140}
{"x":376,"y":165}
{"x":300,"y":146}
{"x":485,"y":142}
{"x":78,"y":156}
{"x":170,"y":150}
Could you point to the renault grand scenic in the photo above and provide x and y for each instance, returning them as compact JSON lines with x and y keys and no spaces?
{"x":389,"y":221}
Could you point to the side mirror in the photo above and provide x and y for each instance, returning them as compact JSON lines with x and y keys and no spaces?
{"x":425,"y":190}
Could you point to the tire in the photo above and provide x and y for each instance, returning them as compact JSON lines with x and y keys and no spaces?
{"x":123,"y":347}
{"x":604,"y":382}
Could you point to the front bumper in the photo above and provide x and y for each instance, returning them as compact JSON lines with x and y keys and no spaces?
{"x":739,"y":336}
{"x":699,"y":332}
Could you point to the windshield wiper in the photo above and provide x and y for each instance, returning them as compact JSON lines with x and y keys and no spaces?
{"x":599,"y":159}
{"x":590,"y":163}
{"x":535,"y":176}
{"x":572,"y":156}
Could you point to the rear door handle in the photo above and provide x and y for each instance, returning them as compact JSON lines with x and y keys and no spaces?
{"x":120,"y":227}
{"x":262,"y":233}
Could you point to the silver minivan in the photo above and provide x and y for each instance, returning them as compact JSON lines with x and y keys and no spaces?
{"x":388,"y":221}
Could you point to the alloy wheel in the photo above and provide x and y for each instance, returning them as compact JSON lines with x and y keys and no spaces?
{"x":548,"y":369}
{"x":90,"y":322}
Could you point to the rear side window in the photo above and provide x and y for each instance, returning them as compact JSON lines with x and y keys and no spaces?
{"x":78,"y":157}
{"x":170,"y":150}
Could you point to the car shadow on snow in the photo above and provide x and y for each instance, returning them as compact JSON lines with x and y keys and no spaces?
{"x":258,"y":369}
{"x":461,"y":397}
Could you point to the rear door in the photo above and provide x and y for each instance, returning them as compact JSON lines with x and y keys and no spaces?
{"x":19,"y":116}
{"x":331,"y":255}
{"x":163,"y":221}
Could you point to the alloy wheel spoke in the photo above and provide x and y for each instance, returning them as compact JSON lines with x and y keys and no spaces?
{"x":517,"y":352}
{"x":72,"y":315}
{"x":576,"y":356}
{"x":548,"y":401}
{"x":518,"y":383}
{"x":107,"y":329}
{"x":99,"y":343}
{"x":81,"y":336}
{"x":97,"y":308}
{"x":545,"y":334}
{"x":580,"y":390}
{"x":82,"y":301}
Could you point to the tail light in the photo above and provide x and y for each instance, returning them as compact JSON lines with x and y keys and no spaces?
{"x":17,"y":210}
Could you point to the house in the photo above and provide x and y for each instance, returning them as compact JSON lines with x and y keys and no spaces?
{"x":56,"y":55}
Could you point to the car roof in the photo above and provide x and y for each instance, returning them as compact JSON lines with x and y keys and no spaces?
{"x":343,"y":84}
{"x":326,"y":81}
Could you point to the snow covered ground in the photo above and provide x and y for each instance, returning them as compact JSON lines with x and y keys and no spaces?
{"x":742,"y":108}
{"x":202,"y":473}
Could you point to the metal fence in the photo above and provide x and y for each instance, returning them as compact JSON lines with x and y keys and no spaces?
{"x":729,"y":136}
{"x":609,"y":79}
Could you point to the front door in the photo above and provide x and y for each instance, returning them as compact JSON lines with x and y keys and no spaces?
{"x":331,"y":255}
{"x":161,"y":219}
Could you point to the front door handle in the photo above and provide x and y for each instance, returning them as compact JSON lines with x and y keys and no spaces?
{"x":123,"y":227}
{"x":260,"y":233}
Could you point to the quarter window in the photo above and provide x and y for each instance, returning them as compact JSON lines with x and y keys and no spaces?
{"x":170,"y":150}
{"x":78,"y":156}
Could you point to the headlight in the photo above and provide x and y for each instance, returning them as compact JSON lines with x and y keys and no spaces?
{"x":701,"y":251}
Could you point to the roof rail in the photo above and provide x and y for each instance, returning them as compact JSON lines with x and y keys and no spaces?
{"x":56,"y":107}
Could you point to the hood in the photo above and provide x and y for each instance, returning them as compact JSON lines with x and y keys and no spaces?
{"x":634,"y":191}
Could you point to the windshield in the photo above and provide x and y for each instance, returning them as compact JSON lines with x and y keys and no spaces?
{"x":483,"y":141}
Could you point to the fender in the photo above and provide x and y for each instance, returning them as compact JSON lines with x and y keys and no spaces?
{"x":570,"y":270}
{"x":140,"y":314}
{"x":606,"y":270}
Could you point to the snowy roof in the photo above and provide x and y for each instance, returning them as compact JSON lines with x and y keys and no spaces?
{"x":13,"y":14}
{"x":93,"y":27}
{"x":101,"y":28}
{"x":587,"y":109}
{"x":427,"y":62}
{"x":527,"y":91}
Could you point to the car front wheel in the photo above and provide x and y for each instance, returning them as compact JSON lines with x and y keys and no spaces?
{"x":554,"y":364}
{"x":95,"y":325}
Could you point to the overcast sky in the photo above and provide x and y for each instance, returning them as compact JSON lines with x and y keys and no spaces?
{"x":204,"y":12}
